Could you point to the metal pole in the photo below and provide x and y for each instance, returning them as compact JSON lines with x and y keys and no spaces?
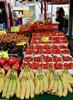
{"x":45,"y":9}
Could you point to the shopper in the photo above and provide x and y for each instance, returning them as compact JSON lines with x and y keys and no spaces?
{"x":60,"y":18}
{"x":20,"y":16}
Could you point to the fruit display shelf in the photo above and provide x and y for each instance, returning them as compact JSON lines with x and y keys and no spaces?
{"x":48,"y":50}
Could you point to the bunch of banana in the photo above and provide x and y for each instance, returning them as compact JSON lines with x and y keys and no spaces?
{"x":27,"y":88}
{"x":26,"y":72}
{"x":59,"y":83}
{"x":2,"y":79}
{"x":41,"y":82}
{"x":10,"y":84}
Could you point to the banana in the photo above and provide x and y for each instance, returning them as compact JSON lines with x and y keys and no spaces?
{"x":40,"y":72}
{"x":6,"y":85}
{"x":60,"y":88}
{"x":1,"y":83}
{"x":41,"y":85}
{"x":23,"y":88}
{"x":17,"y":88}
{"x":48,"y":74}
{"x":65,"y":89}
{"x":21,"y":74}
{"x":69,"y":78}
{"x":69,"y":86}
{"x":25,"y":74}
{"x":45,"y":79}
{"x":14,"y":73}
{"x":27,"y":89}
{"x":32,"y":74}
{"x":13,"y":87}
{"x":2,"y":70}
{"x":55,"y":86}
{"x":32,"y":87}
{"x":37,"y":86}
{"x":8,"y":95}
{"x":8,"y":73}
{"x":51,"y":84}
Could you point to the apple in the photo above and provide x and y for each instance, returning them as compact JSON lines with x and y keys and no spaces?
{"x":3,"y":61}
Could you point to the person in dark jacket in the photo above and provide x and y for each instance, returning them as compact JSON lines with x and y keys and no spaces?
{"x":60,"y":18}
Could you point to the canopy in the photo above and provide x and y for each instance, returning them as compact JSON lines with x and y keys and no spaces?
{"x":58,"y":1}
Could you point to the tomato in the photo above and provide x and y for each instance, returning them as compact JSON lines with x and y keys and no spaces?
{"x":58,"y":66}
{"x":3,"y":61}
{"x":6,"y":67}
{"x":31,"y":65}
{"x":67,"y":65}
{"x":57,"y":59}
{"x":45,"y":66}
{"x":16,"y":66}
{"x":38,"y":59}
{"x":28,"y":59}
{"x":12,"y":60}
{"x":65,"y":51}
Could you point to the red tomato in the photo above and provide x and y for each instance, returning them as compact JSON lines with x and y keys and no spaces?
{"x":6,"y":67}
{"x":16,"y":66}
{"x":12,"y":60}
{"x":58,"y":65}
{"x":45,"y":66}
{"x":3,"y":61}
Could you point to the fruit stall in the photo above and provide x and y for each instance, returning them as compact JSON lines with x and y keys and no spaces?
{"x":36,"y":63}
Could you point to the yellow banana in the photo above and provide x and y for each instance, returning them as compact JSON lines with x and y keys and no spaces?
{"x":32,"y":74}
{"x":55,"y":86}
{"x":27,"y":89}
{"x":13,"y":87}
{"x":1,"y":83}
{"x":23,"y":88}
{"x":9,"y":88}
{"x":37,"y":86}
{"x":32,"y":87}
{"x":60,"y":88}
{"x":41,"y":84}
{"x":21,"y":74}
{"x":65,"y":90}
{"x":69,"y":87}
{"x":2,"y":70}
{"x":6,"y":85}
{"x":8,"y":73}
{"x":51,"y":84}
{"x":40,"y":72}
{"x":17,"y":88}
{"x":45,"y":79}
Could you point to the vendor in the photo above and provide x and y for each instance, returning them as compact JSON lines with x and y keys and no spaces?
{"x":60,"y":18}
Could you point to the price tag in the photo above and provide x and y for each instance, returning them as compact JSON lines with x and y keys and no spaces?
{"x":45,"y":39}
{"x":2,"y":32}
{"x":15,"y":28}
{"x":21,"y":43}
